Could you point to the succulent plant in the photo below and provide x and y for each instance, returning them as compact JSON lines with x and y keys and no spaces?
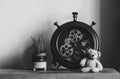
{"x":37,"y":45}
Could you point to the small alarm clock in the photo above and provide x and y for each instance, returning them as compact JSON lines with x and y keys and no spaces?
{"x":70,"y":41}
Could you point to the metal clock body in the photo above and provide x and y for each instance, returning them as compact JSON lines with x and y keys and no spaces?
{"x":70,"y":41}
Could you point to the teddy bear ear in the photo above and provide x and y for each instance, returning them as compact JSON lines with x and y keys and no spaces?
{"x":90,"y":50}
{"x":99,"y":53}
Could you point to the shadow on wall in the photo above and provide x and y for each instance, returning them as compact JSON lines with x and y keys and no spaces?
{"x":45,"y":37}
{"x":25,"y":60}
{"x":110,"y":30}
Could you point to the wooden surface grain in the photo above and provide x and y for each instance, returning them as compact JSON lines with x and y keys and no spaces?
{"x":107,"y":73}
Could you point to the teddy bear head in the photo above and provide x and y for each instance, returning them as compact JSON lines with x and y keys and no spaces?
{"x":93,"y":54}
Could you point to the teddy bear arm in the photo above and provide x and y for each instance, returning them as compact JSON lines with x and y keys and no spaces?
{"x":83,"y":62}
{"x":99,"y":65}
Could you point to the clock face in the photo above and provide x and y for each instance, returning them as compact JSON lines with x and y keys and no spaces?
{"x":70,"y":42}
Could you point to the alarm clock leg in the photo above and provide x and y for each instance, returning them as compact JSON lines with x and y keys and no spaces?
{"x":58,"y":66}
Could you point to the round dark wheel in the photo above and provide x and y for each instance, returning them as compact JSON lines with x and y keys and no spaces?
{"x":70,"y":42}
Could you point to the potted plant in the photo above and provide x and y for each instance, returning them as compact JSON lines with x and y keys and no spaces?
{"x":39,"y":54}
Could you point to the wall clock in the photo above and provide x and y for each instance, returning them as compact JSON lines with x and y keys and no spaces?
{"x":70,"y":41}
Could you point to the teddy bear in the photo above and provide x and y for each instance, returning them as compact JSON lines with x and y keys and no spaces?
{"x":91,"y":62}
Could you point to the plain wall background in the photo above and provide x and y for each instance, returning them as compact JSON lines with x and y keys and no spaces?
{"x":21,"y":19}
{"x":110,"y":33}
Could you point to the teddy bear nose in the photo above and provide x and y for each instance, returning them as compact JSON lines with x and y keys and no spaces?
{"x":92,"y":55}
